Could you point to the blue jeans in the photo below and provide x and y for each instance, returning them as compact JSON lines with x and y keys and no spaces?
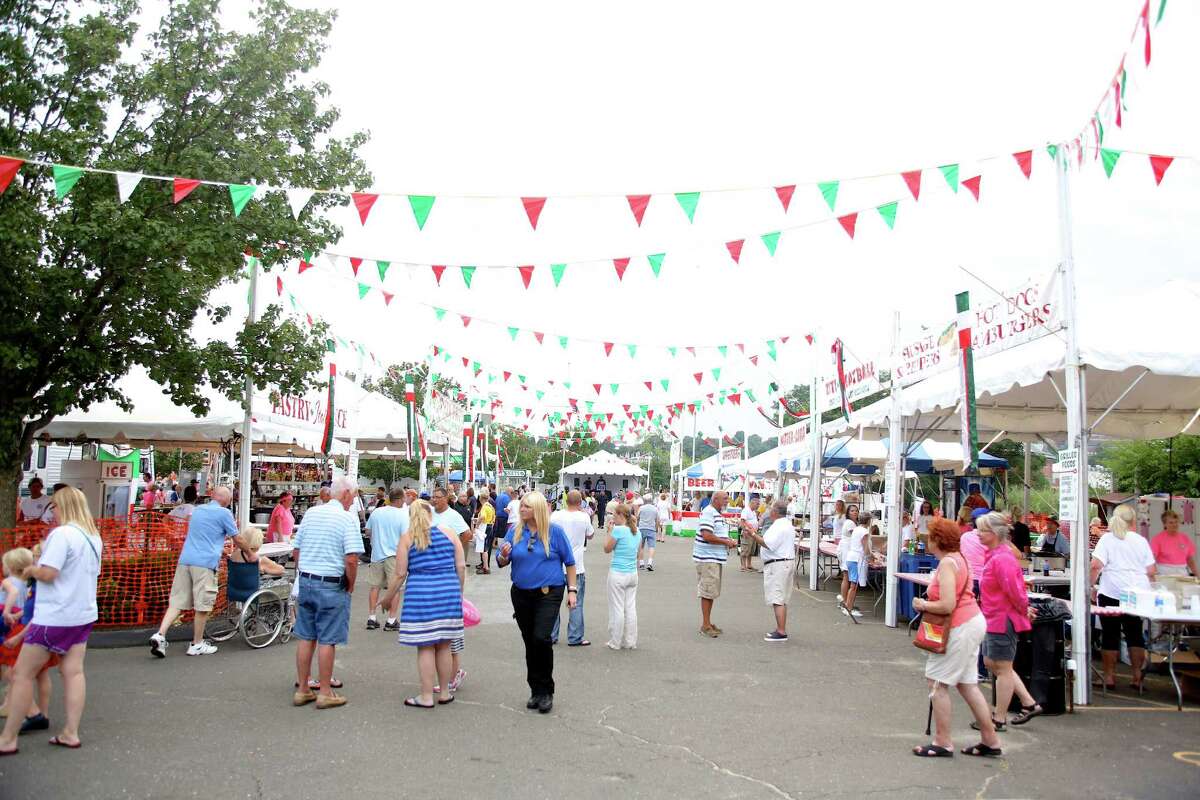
{"x":575,"y":620}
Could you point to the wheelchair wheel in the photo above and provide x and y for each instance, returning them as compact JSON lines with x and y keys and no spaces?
{"x":262,"y":619}
{"x":223,"y":624}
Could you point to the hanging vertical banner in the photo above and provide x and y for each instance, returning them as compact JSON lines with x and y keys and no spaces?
{"x":970,"y":438}
{"x":467,"y":451}
{"x":839,"y":364}
{"x":410,"y":399}
{"x":330,"y":414}
{"x":421,"y":438}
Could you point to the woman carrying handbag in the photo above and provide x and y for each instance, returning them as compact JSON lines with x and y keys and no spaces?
{"x":952,"y":628}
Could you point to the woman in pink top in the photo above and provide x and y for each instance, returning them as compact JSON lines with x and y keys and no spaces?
{"x":1174,"y":551}
{"x":1005,"y":603}
{"x":950,"y":593}
{"x":279,"y":528}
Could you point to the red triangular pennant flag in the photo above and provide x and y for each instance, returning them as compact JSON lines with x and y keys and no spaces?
{"x":735,"y":249}
{"x":533,"y":209}
{"x":621,"y":265}
{"x":538,"y":335}
{"x":608,"y":346}
{"x":783,"y":339}
{"x":363,"y":203}
{"x":1025,"y":160}
{"x":741,"y":349}
{"x":465,"y":320}
{"x":808,"y":338}
{"x":785,"y":195}
{"x":637,"y":204}
{"x":1145,"y":15}
{"x":626,"y":407}
{"x":387,"y":297}
{"x":913,"y":179}
{"x":309,"y":318}
{"x":691,"y":350}
{"x":1159,"y":164}
{"x":526,"y":274}
{"x":355,"y":263}
{"x":735,"y":398}
{"x":972,"y":184}
{"x":8,"y":170}
{"x":507,"y":375}
{"x":278,"y":285}
{"x":596,"y":386}
{"x":699,"y":376}
{"x":649,"y":386}
{"x":465,"y":361}
{"x":609,"y":416}
{"x":649,"y":413}
{"x":438,"y":269}
{"x":848,"y":223}
{"x":184,"y":187}
{"x":303,"y":266}
{"x":754,"y":360}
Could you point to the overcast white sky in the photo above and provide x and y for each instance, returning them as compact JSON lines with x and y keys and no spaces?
{"x":545,"y":98}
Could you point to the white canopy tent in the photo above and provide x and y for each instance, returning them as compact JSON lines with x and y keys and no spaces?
{"x":603,"y":464}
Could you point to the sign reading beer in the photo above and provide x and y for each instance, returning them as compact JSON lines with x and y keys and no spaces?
{"x":700,"y":484}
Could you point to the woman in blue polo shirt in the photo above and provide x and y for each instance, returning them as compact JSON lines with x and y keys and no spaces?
{"x":540,"y":554}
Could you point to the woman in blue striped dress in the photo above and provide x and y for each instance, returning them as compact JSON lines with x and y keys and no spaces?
{"x":432,"y":561}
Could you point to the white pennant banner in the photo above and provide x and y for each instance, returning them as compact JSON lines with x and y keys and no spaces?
{"x":126,"y":183}
{"x":298,"y":199}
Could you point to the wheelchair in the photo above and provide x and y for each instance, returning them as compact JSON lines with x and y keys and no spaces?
{"x":259,"y":610}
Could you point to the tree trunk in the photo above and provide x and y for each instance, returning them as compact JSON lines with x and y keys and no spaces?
{"x":10,"y":490}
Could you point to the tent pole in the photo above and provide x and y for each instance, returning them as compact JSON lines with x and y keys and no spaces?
{"x":893,"y":482}
{"x":817,"y":452}
{"x":1077,"y":438}
{"x":1028,"y":448}
{"x":244,"y":498}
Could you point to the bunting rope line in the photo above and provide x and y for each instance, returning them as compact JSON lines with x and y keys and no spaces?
{"x":563,"y":340}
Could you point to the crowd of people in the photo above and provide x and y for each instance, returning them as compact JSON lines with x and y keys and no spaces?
{"x":415,"y":550}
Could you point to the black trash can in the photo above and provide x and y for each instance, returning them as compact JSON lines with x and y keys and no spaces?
{"x":1040,"y":665}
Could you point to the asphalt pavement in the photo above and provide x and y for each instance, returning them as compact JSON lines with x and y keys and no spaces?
{"x":833,"y":713}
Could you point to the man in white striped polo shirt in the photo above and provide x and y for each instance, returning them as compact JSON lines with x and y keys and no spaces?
{"x":327,"y":546}
{"x":709,"y":550}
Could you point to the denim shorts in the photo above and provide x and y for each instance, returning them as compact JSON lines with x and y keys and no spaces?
{"x":323,"y":613}
{"x":648,"y":536}
{"x":1001,"y":646}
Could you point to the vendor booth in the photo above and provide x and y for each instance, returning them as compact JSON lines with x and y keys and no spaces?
{"x":602,"y":470}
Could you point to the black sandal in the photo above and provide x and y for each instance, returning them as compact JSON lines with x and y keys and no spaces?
{"x":932,"y":751}
{"x":1027,"y":713}
{"x":413,"y":702}
{"x":981,"y":749}
{"x":997,"y":724}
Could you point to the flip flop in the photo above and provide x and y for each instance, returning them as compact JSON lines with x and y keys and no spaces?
{"x":12,"y":752}
{"x":446,"y":702}
{"x":981,"y":749}
{"x":932,"y":751}
{"x":60,"y":743}
{"x":413,"y":702}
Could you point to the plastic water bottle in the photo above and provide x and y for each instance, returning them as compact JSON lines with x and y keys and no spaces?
{"x":1158,"y":604}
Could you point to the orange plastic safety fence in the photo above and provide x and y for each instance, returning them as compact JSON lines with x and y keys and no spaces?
{"x":137,"y":565}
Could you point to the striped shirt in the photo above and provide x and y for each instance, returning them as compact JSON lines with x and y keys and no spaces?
{"x":327,"y":534}
{"x":712,"y":522}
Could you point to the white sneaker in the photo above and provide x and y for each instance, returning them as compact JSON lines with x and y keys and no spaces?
{"x":158,"y":645}
{"x":840,"y":598}
{"x":854,"y":612}
{"x":613,"y":646}
{"x":844,"y":611}
{"x":202,"y":649}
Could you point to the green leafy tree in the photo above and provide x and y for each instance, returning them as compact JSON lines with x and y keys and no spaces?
{"x":94,"y":286}
{"x":392,"y":384}
{"x":1159,"y":465}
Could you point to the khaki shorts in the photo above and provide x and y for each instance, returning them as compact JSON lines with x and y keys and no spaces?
{"x":708,"y":583}
{"x":194,"y":588}
{"x":777,"y":582}
{"x":747,"y":547}
{"x":379,"y":573}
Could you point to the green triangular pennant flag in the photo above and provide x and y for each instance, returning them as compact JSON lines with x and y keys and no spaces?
{"x":421,"y":205}
{"x":590,"y":405}
{"x":716,"y":373}
{"x":688,"y":202}
{"x":674,"y":351}
{"x":292,"y":300}
{"x":540,"y":394}
{"x":362,"y":290}
{"x":435,"y":377}
{"x":1099,"y":130}
{"x":516,"y":411}
{"x":632,"y":348}
{"x":562,"y":342}
{"x":475,"y":366}
{"x":750,"y":394}
{"x":666,"y":384}
{"x":829,"y":191}
{"x":65,"y":179}
{"x":614,"y":387}
{"x":656,"y":262}
{"x":240,"y":194}
{"x":330,"y":347}
{"x":521,"y":378}
{"x":723,"y":349}
{"x":439,"y":313}
{"x":1162,"y":7}
{"x":468,"y":274}
{"x":1109,"y":159}
{"x":491,"y":378}
{"x":950,"y":173}
{"x":446,"y":357}
{"x":1052,"y":149}
{"x":342,"y":342}
{"x":888,"y":212}
{"x":771,"y":240}
{"x":512,"y":332}
{"x":557,"y":271}
{"x":382,"y":266}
